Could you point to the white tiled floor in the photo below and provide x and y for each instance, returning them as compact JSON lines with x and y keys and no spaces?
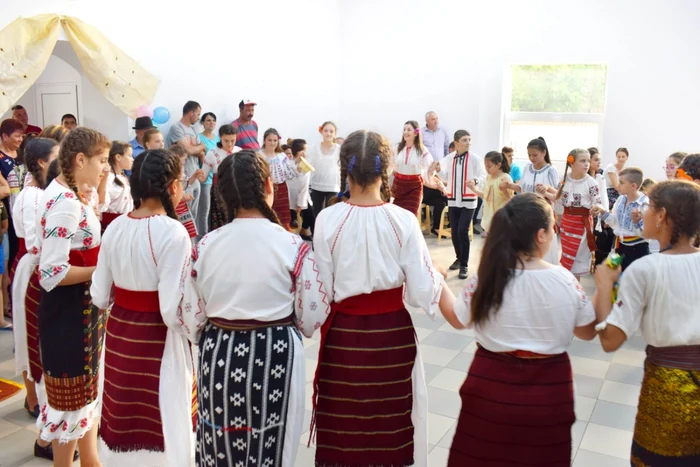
{"x":607,"y":388}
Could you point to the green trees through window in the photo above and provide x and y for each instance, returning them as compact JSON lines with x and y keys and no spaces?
{"x":558,"y":88}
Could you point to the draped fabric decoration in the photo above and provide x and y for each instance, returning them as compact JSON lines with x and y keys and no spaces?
{"x":26,"y":45}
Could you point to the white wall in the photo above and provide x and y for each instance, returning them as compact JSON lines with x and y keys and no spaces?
{"x":404,"y":57}
{"x":376,"y":64}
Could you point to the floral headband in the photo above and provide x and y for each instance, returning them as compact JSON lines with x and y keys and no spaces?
{"x":681,"y":174}
{"x":571,"y":159}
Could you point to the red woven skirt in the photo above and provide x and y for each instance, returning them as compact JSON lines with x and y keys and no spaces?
{"x":365,"y":389}
{"x":281,"y":204}
{"x":134,"y":342}
{"x":21,"y":251}
{"x":31,"y":312}
{"x":407,"y":191}
{"x":515,"y":411}
{"x":576,"y":224}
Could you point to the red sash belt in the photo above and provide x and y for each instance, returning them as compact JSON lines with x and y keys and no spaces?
{"x":625,"y":240}
{"x":400,"y":176}
{"x":585,"y":215}
{"x":525,"y":354}
{"x":137,"y":300}
{"x":84,"y":258}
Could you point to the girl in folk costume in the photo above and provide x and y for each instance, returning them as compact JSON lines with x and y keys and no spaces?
{"x":369,"y":389}
{"x":24,"y":282}
{"x":281,"y":169}
{"x":538,"y":174}
{"x":299,"y":192}
{"x":659,"y":295}
{"x":498,"y":168}
{"x":118,"y":199}
{"x":411,"y":165}
{"x":148,"y":403}
{"x":524,"y":312}
{"x":580,"y":196}
{"x":323,"y":157}
{"x":460,"y":168}
{"x":70,"y":326}
{"x":251,"y":358}
{"x":601,"y":234}
{"x":224,"y":148}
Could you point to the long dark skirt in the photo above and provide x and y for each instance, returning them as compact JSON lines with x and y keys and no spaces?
{"x":70,"y":339}
{"x":365,"y":391}
{"x":515,"y":411}
{"x":243,"y":390}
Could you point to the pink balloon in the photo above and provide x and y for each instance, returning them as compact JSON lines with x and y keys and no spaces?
{"x":144,"y":111}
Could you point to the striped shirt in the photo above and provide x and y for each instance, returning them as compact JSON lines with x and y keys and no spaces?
{"x":247,"y":135}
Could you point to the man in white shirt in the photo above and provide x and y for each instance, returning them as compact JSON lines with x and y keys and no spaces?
{"x":435,"y":138}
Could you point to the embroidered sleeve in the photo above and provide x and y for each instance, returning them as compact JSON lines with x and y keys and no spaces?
{"x":311,"y":303}
{"x":58,"y":225}
{"x":172,"y":258}
{"x":463,"y":302}
{"x":425,"y":161}
{"x":423,"y":283}
{"x":594,"y":193}
{"x":210,"y":163}
{"x":611,"y":218}
{"x":552,"y":177}
{"x":102,"y":278}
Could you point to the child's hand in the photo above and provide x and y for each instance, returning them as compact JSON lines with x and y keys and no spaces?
{"x":540,"y":188}
{"x":187,"y":197}
{"x":441,"y":270}
{"x":597,"y":209}
{"x":504,"y":185}
{"x":606,"y":275}
{"x":471,"y":184}
{"x":636,"y":216}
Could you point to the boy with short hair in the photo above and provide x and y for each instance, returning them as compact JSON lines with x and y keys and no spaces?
{"x":625,"y":218}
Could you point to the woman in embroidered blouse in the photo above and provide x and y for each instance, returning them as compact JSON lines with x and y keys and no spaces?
{"x":412,"y":163}
{"x":147,"y":405}
{"x":70,"y":327}
{"x":38,"y":155}
{"x":539,"y":173}
{"x":117,"y":199}
{"x":250,"y":352}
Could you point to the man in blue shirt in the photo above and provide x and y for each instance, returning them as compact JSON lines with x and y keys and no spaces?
{"x":435,"y":138}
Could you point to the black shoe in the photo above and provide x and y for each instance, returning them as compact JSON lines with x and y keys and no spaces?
{"x":47,"y":452}
{"x":294,"y":224}
{"x":463,"y":272}
{"x":454,"y":266}
{"x":308,"y":238}
{"x":34,"y":413}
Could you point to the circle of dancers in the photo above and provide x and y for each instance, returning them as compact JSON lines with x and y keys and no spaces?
{"x":159,"y":295}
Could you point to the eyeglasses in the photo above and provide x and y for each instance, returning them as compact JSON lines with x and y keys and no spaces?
{"x":185,"y":184}
{"x":669,"y":167}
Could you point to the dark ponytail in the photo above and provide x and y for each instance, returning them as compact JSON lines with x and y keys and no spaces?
{"x":495,"y":158}
{"x":38,"y":149}
{"x":365,"y":156}
{"x":513,"y":232}
{"x":226,"y":130}
{"x":151,"y":176}
{"x":118,"y":149}
{"x":241,"y":184}
{"x":540,"y":144}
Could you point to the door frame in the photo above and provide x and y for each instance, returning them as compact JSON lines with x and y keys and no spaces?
{"x":39,"y":87}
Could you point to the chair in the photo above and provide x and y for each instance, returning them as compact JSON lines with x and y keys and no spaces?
{"x":424,"y":225}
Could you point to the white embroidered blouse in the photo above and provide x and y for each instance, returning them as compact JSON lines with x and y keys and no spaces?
{"x":64,"y":224}
{"x":119,"y":200}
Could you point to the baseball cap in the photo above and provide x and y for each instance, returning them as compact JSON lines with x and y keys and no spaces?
{"x":245,"y":102}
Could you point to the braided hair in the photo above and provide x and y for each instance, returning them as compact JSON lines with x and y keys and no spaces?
{"x":681,"y":200}
{"x":241,"y":185}
{"x":153,"y":172}
{"x":53,"y":171}
{"x":364,"y":157}
{"x":81,"y":140}
{"x":118,"y":149}
{"x":38,"y":149}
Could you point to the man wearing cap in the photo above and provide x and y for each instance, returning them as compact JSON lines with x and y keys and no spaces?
{"x":141,"y":125}
{"x":247,"y":129}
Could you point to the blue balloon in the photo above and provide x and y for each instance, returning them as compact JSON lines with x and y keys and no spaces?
{"x":161,"y":115}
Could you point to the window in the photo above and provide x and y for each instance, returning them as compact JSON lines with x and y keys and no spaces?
{"x":565,"y":104}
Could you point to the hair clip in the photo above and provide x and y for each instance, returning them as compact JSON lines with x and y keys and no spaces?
{"x":351,"y":165}
{"x":378,"y":163}
{"x":571,"y":159}
{"x":417,"y":131}
{"x":340,"y":195}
